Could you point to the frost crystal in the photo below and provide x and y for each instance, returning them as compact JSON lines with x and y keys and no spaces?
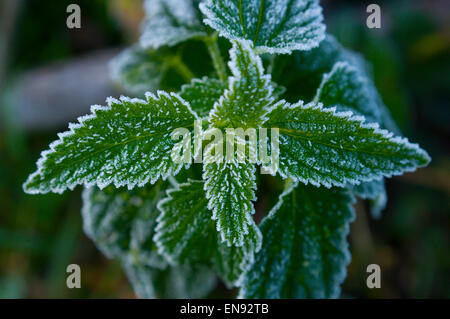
{"x":347,"y":90}
{"x":304,"y":252}
{"x":202,"y":94}
{"x":120,"y":221}
{"x":249,"y":95}
{"x":274,"y":26}
{"x":186,"y":232}
{"x":230,"y":186}
{"x":127,"y":142}
{"x":324,"y":147}
{"x":169,"y":22}
{"x":169,"y":241}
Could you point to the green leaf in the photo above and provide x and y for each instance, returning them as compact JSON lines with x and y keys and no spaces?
{"x":347,"y":90}
{"x":120,"y":221}
{"x":232,"y":262}
{"x":138,"y":70}
{"x":274,"y":26}
{"x":186,"y":232}
{"x":304,"y":252}
{"x":230,"y":186}
{"x":309,"y":67}
{"x":169,"y":22}
{"x":324,"y":147}
{"x":184,"y":229}
{"x":230,"y":189}
{"x":128,"y":142}
{"x":249,"y":95}
{"x":202,"y":94}
{"x":183,"y":281}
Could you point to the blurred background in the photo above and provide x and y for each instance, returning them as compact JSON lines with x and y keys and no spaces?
{"x":50,"y":74}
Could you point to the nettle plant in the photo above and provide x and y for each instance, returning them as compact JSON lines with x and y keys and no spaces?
{"x":175,"y":225}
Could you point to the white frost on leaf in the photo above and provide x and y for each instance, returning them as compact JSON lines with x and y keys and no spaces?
{"x":344,"y":88}
{"x":229,"y":185}
{"x":169,"y":22}
{"x":120,"y":221}
{"x":128,"y":142}
{"x":304,"y":252}
{"x":230,"y":189}
{"x":324,"y":147}
{"x":274,"y":26}
{"x":183,"y":226}
{"x":202,"y":94}
{"x":186,"y":232}
{"x":249,"y":95}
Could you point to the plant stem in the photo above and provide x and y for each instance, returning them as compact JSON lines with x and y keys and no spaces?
{"x":271,"y":65}
{"x":181,"y":68}
{"x":219,"y":64}
{"x":172,"y":181}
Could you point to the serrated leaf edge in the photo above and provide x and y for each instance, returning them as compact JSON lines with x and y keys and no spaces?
{"x":102,"y":184}
{"x":171,"y":258}
{"x":237,"y":76}
{"x":360,"y":119}
{"x":259,"y":49}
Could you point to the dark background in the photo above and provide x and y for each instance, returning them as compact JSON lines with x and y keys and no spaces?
{"x":50,"y":74}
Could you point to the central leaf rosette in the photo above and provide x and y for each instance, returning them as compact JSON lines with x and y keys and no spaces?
{"x":333,"y":143}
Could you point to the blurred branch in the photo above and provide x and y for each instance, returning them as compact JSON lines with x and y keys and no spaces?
{"x":48,"y":97}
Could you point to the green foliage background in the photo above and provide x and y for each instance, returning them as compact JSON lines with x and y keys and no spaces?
{"x":41,"y":235}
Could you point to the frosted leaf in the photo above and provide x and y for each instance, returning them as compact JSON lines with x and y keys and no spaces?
{"x":324,"y":147}
{"x":303,"y":71}
{"x":230,"y":186}
{"x":186,"y":232}
{"x":169,"y":22}
{"x":230,"y":189}
{"x":120,"y":221}
{"x":249,"y":95}
{"x":183,"y":281}
{"x":232,"y":262}
{"x":127,"y":142}
{"x":347,"y":90}
{"x":375,"y":192}
{"x":202,"y":94}
{"x":185,"y":229}
{"x":137,"y":70}
{"x":304,"y":252}
{"x":273,"y":26}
